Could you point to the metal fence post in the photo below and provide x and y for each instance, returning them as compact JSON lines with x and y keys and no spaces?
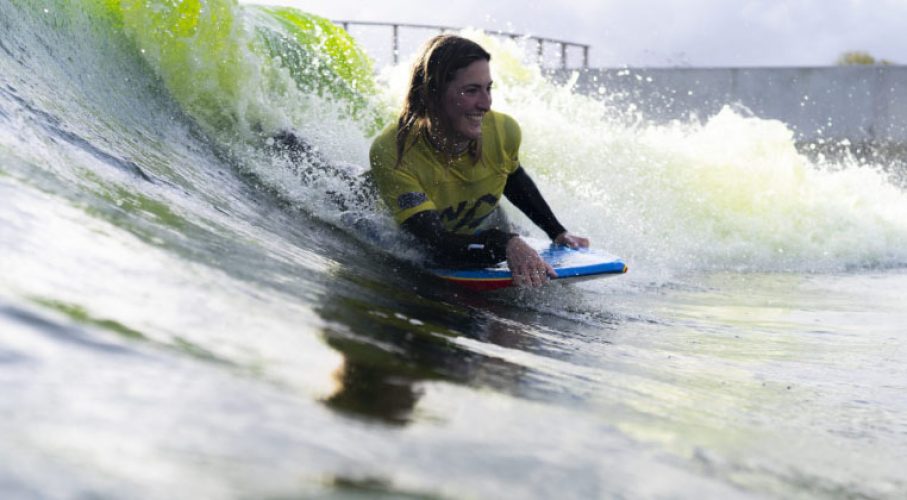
{"x":396,"y":47}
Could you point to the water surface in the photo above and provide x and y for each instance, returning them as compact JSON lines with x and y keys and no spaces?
{"x":182,"y":311}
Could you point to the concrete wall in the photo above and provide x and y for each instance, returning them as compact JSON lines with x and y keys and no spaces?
{"x":859,"y":103}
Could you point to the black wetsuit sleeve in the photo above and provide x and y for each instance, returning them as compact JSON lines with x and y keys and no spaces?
{"x":523,"y":193}
{"x":456,"y":250}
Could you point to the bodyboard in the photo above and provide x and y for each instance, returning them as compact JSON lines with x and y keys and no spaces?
{"x":569,"y":264}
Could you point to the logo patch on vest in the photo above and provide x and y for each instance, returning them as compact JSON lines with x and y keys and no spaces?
{"x":468,"y":219}
{"x":410,"y":200}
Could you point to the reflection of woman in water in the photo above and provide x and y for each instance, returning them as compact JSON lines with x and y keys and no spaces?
{"x":442,"y":168}
{"x":386,"y":360}
{"x":370,"y":390}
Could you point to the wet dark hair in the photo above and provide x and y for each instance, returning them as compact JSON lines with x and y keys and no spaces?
{"x":437,"y":66}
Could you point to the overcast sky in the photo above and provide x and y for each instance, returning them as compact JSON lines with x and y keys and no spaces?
{"x":702,"y":33}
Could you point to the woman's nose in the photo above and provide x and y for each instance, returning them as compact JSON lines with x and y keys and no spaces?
{"x":484,"y":100}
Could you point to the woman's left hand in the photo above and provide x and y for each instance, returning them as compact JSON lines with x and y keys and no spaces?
{"x":568,"y":240}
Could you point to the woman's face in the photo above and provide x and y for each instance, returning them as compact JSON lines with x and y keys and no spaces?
{"x":467,"y":99}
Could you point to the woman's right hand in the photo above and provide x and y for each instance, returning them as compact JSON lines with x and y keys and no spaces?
{"x":527,"y":266}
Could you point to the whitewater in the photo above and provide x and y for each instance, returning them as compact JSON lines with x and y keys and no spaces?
{"x":186,"y":312}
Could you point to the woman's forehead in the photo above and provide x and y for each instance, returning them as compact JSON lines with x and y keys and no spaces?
{"x":478,"y":72}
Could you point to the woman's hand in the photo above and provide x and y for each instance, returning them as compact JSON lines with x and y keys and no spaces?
{"x":568,"y":240}
{"x":527,"y":267}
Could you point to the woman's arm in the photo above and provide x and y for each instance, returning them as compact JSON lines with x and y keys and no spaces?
{"x":480,"y":250}
{"x":524,"y":194}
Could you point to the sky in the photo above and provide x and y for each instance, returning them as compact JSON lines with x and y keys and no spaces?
{"x":654,"y":33}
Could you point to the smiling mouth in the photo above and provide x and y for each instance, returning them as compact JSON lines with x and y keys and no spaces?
{"x":475,"y":117}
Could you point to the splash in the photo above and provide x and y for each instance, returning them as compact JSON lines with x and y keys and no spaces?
{"x":732,"y":192}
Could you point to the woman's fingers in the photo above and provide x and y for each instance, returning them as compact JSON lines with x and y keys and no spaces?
{"x":549,"y":271}
{"x":572,"y":241}
{"x":534,"y":277}
{"x":525,"y":275}
{"x":534,"y":272}
{"x":527,"y":267}
{"x":530,"y":278}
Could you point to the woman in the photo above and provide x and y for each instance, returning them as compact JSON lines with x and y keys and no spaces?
{"x":442,"y":168}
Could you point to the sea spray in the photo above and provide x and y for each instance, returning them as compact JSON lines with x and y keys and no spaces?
{"x":728,"y":192}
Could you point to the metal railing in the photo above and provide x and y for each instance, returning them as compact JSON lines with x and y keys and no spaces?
{"x":539,"y":41}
